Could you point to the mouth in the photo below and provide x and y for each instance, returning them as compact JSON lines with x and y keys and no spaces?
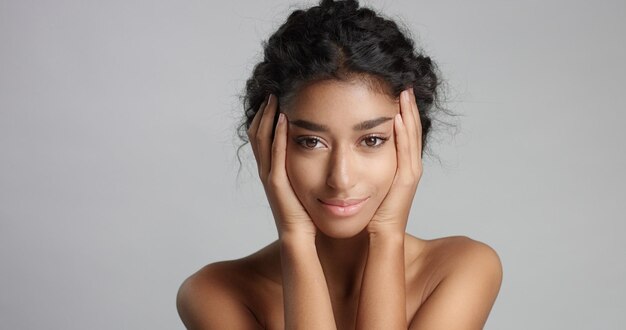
{"x":343,"y":207}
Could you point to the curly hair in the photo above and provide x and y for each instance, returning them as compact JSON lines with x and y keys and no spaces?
{"x":340,"y":40}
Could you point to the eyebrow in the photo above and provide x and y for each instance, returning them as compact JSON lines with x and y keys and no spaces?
{"x":369,"y":124}
{"x":362,"y":126}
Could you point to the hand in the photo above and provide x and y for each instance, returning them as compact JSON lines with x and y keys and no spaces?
{"x":289,"y":214}
{"x":393,"y":213}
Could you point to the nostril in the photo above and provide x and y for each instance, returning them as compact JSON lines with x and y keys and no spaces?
{"x":339,"y":179}
{"x":340,"y":171}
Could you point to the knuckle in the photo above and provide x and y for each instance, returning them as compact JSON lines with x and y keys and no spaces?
{"x":273,"y":180}
{"x":277,"y":148}
{"x":258,"y":136}
{"x":406,"y":180}
{"x":419,"y":169}
{"x":418,"y":177}
{"x":411,"y":179}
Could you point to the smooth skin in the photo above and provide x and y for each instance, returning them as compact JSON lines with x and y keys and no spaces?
{"x":343,"y":140}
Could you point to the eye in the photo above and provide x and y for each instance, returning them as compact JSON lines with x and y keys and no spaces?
{"x":309,"y":142}
{"x":373,"y":141}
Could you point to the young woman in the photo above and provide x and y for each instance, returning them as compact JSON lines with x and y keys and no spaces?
{"x":338,"y":115}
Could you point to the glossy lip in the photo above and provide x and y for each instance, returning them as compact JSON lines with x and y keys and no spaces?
{"x":343,"y":207}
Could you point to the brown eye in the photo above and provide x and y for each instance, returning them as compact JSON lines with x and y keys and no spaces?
{"x":373,"y":141}
{"x":310,"y":143}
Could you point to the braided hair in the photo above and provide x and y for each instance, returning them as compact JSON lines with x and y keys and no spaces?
{"x":341,"y":40}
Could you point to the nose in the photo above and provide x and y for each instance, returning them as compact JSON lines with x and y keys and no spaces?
{"x":341,"y":172}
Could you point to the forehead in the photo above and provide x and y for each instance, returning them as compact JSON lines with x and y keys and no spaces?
{"x":340,"y":102}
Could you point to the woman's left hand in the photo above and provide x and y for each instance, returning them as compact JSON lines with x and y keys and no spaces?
{"x":393,"y":213}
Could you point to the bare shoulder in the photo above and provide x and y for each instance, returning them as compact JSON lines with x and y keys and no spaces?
{"x":461,"y":253}
{"x":211,"y":298}
{"x":469,"y":275}
{"x":221,"y":295}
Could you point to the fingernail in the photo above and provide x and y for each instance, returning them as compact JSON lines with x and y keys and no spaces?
{"x":398,"y":118}
{"x":281,"y":117}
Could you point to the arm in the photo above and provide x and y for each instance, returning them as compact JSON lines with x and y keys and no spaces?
{"x":382,"y":303}
{"x":305,"y":292}
{"x":464,"y":297}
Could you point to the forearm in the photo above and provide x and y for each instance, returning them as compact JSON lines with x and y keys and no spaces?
{"x":305,"y":292}
{"x":382,"y":303}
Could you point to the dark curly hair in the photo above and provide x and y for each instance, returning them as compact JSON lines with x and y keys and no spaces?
{"x":338,"y":40}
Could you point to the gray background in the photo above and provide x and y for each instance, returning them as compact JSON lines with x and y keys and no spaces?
{"x":118,"y":175}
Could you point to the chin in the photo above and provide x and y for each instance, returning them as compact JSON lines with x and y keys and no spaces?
{"x":337,"y":233}
{"x":341,"y":228}
{"x":338,"y":225}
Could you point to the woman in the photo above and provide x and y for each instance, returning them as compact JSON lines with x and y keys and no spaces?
{"x":337,"y":115}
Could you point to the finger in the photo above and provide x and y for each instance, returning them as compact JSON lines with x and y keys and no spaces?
{"x":278,"y":172}
{"x":286,"y":206}
{"x":402,"y":148}
{"x":409,"y":123}
{"x":264,"y":136}
{"x":279,"y":146}
{"x":418,"y":123}
{"x":254,"y":127}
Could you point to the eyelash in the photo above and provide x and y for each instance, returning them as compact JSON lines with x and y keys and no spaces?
{"x":303,"y":139}
{"x":381,"y":139}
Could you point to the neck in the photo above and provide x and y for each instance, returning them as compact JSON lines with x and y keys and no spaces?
{"x":343,"y":262}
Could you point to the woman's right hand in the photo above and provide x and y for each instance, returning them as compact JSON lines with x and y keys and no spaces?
{"x":289,"y":214}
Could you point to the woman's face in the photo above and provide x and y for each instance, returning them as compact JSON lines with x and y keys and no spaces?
{"x":341,"y":155}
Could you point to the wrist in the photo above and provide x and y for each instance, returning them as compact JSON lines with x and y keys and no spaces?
{"x":297,"y":248}
{"x":386,"y":237}
{"x":386,"y":229}
{"x":296,"y":238}
{"x":298,"y":230}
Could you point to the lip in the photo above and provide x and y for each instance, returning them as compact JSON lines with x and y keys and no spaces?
{"x":343,"y":207}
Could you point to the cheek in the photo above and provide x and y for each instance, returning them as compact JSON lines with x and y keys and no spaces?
{"x":303,"y":172}
{"x":383,"y":170}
